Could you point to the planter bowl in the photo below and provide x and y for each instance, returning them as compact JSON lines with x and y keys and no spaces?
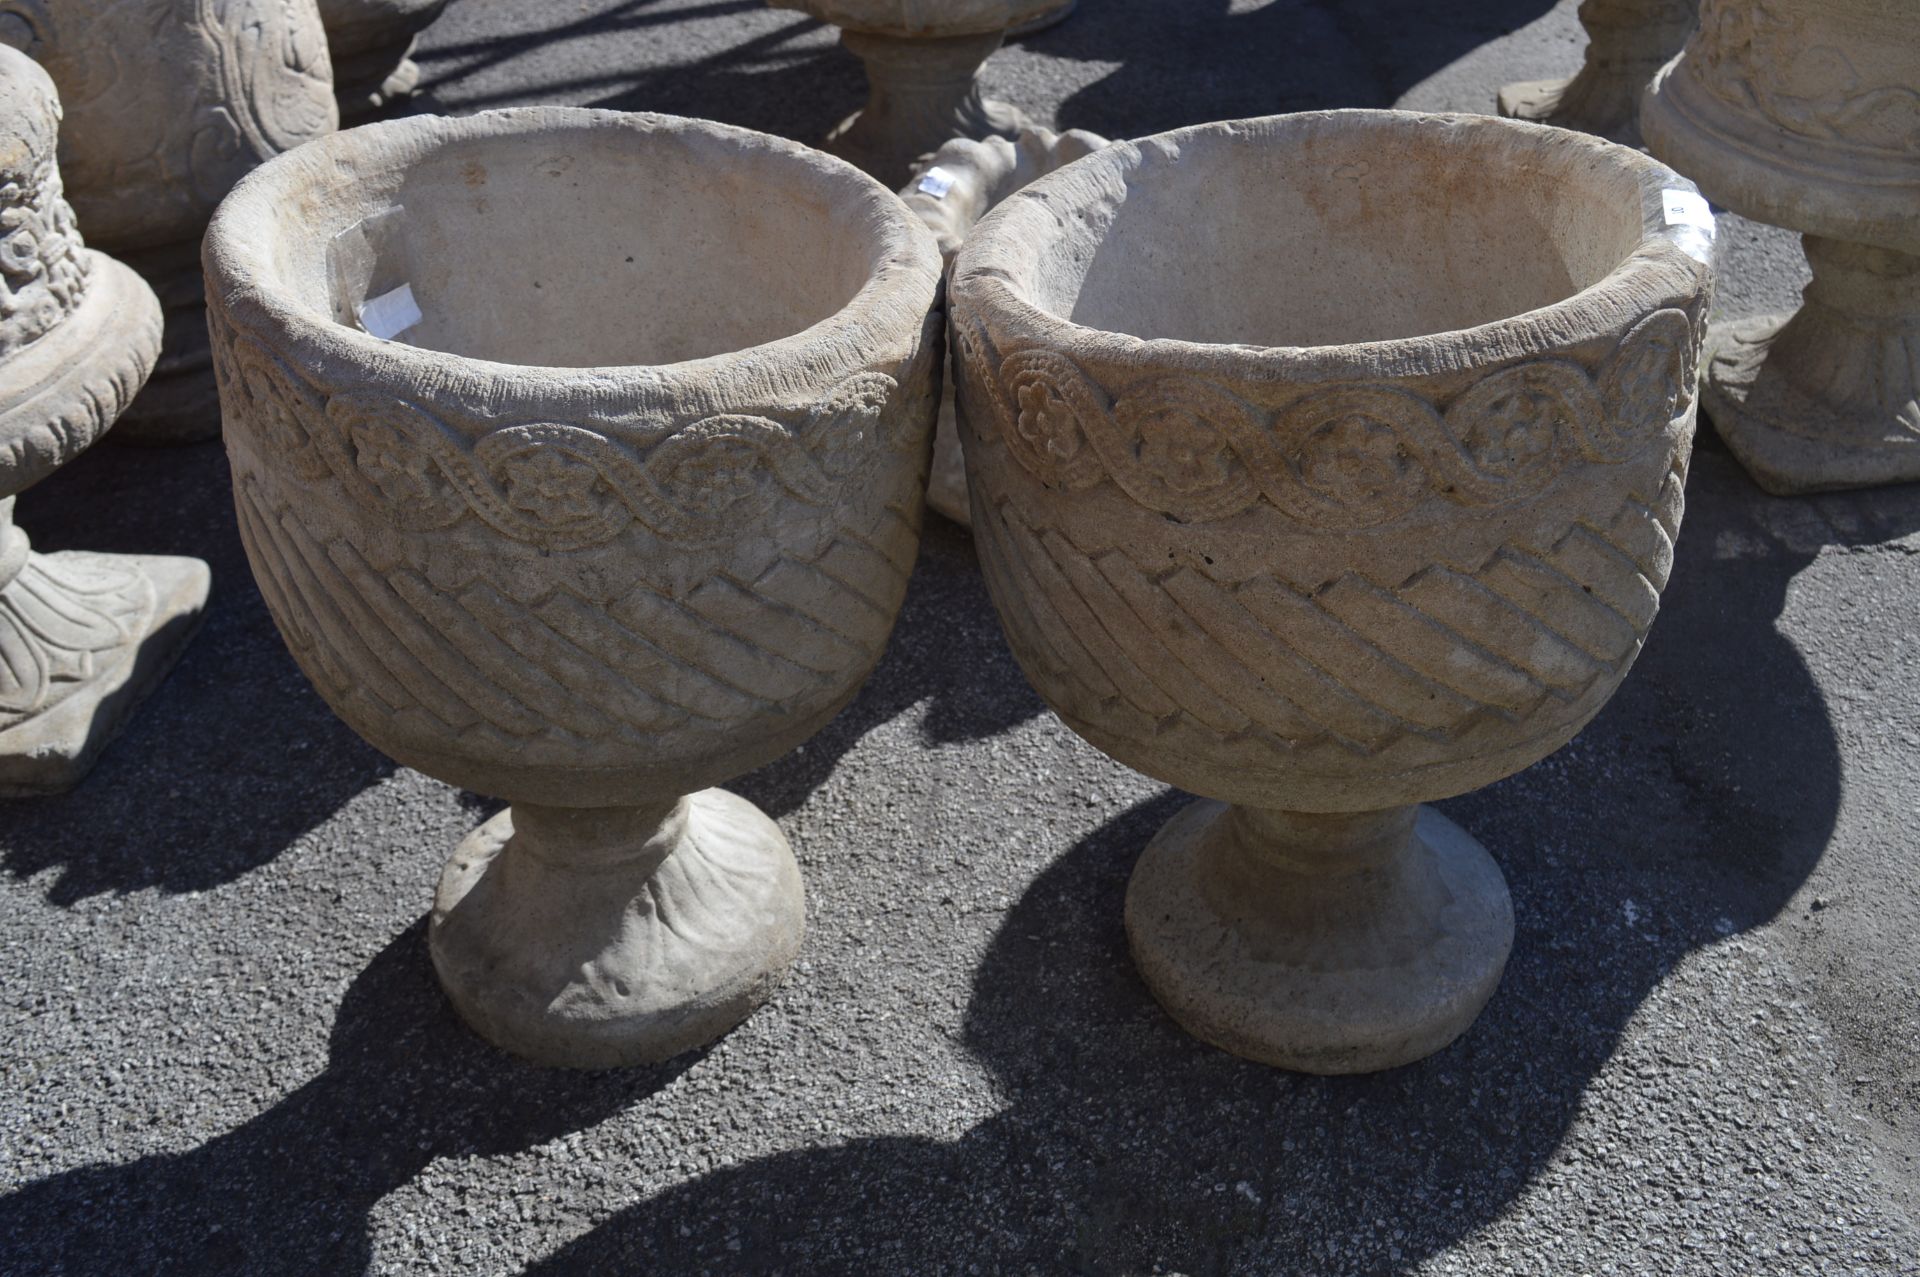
{"x":1327,"y":465}
{"x":628,"y":510}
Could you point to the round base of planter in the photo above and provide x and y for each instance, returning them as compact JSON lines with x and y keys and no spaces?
{"x":923,"y":94}
{"x":180,"y":402}
{"x":1324,"y":944}
{"x":1606,"y":106}
{"x":1792,"y":440}
{"x":1044,"y":22}
{"x":87,"y":637}
{"x":592,"y":938}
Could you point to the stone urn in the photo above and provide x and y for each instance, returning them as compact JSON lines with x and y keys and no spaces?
{"x":922,"y":59}
{"x":1806,"y":114}
{"x":83,"y":636}
{"x":371,"y":45}
{"x":580,"y":456}
{"x":952,"y":191}
{"x":1328,"y":551}
{"x":1627,"y":41}
{"x":168,"y":103}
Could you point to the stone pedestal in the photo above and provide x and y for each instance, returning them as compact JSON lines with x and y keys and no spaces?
{"x":1627,"y":41}
{"x":587,"y":556}
{"x":1327,"y":552}
{"x":371,"y":43}
{"x":83,"y":636}
{"x":1805,"y":114}
{"x":922,"y":58}
{"x":168,"y":104}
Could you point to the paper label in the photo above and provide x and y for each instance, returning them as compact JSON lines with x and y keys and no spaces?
{"x":1687,"y":208}
{"x":391,"y":313}
{"x":936,"y":182}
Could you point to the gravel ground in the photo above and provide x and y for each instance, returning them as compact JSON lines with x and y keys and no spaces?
{"x":223,"y":1050}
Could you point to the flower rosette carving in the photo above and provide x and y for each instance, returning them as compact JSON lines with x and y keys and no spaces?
{"x":853,"y":414}
{"x":1353,"y":456}
{"x":1646,"y":382}
{"x":1510,"y":429}
{"x":1179,"y":445}
{"x":383,"y":454}
{"x":1052,"y":408}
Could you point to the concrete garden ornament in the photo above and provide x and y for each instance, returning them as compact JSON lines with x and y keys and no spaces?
{"x":371,"y":45}
{"x":626,"y":508}
{"x":1627,"y":41}
{"x":1806,"y":114}
{"x":168,"y":103}
{"x":952,"y":191}
{"x":1326,"y":552}
{"x":922,"y":57}
{"x":83,"y":636}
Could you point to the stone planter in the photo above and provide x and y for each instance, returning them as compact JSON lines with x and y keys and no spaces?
{"x":626,"y":511}
{"x":168,"y":103}
{"x":83,"y":636}
{"x":1330,"y":550}
{"x":1627,"y":41}
{"x":922,"y":59}
{"x":952,"y":191}
{"x":1806,"y":114}
{"x":371,"y":45}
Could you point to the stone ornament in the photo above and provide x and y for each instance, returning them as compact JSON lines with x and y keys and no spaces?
{"x":1806,"y":114}
{"x":951,"y":191}
{"x":168,"y":103}
{"x":625,"y":510}
{"x":1326,"y":552}
{"x":371,"y":43}
{"x":922,"y":59}
{"x":1627,"y":41}
{"x":83,"y":636}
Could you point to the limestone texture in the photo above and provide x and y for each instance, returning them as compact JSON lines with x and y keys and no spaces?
{"x":83,"y":636}
{"x":624,"y":508}
{"x":168,"y":103}
{"x":1627,"y":42}
{"x":922,"y":59}
{"x":951,"y":191}
{"x":1806,"y":114}
{"x":1328,"y":552}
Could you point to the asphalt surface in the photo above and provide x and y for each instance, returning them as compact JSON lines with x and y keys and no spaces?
{"x":222,"y":1049}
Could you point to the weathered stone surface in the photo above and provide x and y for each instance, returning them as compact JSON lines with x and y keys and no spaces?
{"x":627,"y":511}
{"x":968,"y":178}
{"x":922,"y":59}
{"x":1806,"y":114}
{"x":371,"y":45}
{"x":82,"y":636}
{"x":1627,"y":42}
{"x":168,"y":103}
{"x":1329,"y":550}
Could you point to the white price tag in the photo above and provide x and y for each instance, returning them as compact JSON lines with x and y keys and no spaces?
{"x":936,"y":182}
{"x":1689,"y":223}
{"x":391,"y":313}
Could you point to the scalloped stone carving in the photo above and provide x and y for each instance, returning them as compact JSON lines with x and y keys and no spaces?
{"x":588,"y":553}
{"x":1328,"y":551}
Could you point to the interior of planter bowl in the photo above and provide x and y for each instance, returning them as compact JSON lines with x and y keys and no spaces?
{"x":582,"y":247}
{"x":1329,"y":229}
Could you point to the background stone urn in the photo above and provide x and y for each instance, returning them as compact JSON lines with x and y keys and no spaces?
{"x":952,"y":191}
{"x":168,"y":103}
{"x":83,"y":636}
{"x":625,"y":510}
{"x":371,"y":45}
{"x":1806,"y":114}
{"x":1627,"y":41}
{"x":1330,"y":550}
{"x":922,"y":57}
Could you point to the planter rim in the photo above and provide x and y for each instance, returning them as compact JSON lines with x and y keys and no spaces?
{"x":903,"y":274}
{"x":1668,"y":261}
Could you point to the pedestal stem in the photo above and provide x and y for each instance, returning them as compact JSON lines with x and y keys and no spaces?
{"x":1828,"y":397}
{"x":1627,"y":41}
{"x":922,"y":94}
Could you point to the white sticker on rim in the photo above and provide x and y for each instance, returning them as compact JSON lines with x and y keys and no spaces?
{"x":1689,"y":222}
{"x":936,"y":182}
{"x":391,"y":313}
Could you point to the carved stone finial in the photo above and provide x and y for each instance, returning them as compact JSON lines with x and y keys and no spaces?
{"x":1806,"y":114}
{"x":578,"y":503}
{"x":82,"y":636}
{"x":1299,"y":497}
